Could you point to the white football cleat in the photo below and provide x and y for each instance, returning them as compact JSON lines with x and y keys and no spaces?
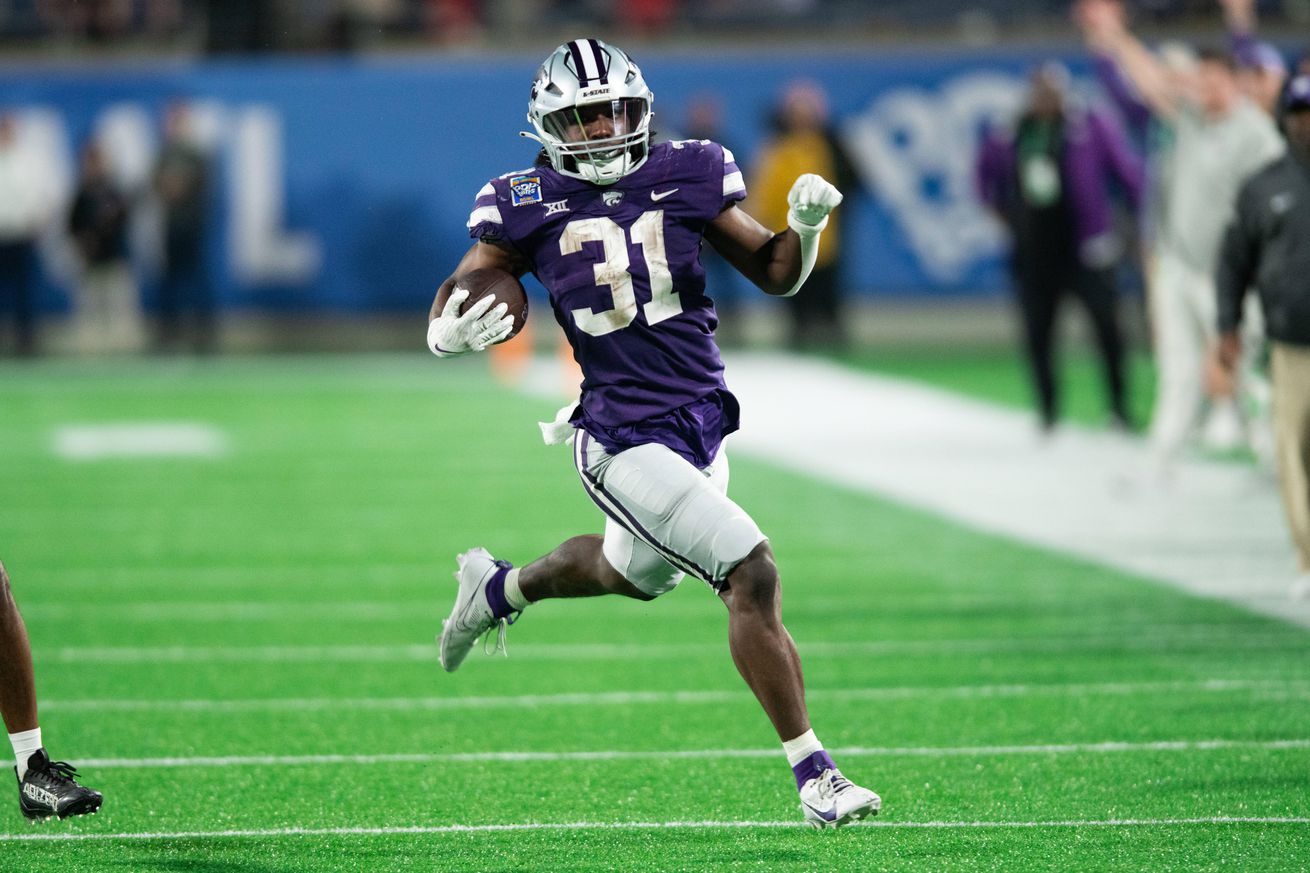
{"x":832,"y":800}
{"x":471,"y":616}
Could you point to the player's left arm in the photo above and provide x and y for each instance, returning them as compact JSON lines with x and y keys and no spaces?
{"x":778,"y":263}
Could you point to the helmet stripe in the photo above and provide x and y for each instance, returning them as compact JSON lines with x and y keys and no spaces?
{"x":578,"y":67}
{"x":602,"y":67}
{"x":589,"y":61}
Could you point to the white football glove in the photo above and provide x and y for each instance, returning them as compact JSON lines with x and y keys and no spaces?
{"x":481,"y":326}
{"x":811,"y":198}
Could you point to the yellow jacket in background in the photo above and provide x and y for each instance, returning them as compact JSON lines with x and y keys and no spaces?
{"x":776,"y":168}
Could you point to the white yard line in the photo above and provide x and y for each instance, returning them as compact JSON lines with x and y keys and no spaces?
{"x":1163,"y":638}
{"x":649,"y":825}
{"x":692,"y":754}
{"x":152,"y":439}
{"x":1216,"y":531}
{"x":1268,"y":688}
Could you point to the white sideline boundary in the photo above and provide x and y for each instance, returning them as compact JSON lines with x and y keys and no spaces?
{"x":650,"y":825}
{"x":1217,"y":530}
{"x":693,"y":754}
{"x":1279,"y":689}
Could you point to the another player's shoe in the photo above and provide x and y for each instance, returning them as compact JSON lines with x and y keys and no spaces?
{"x":48,"y":788}
{"x":472,"y":616}
{"x":830,"y":800}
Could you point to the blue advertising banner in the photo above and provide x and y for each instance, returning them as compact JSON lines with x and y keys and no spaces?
{"x":344,"y":185}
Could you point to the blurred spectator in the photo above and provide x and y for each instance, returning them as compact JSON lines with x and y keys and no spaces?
{"x":96,"y":20}
{"x":186,"y":301}
{"x":24,"y":212}
{"x":646,"y":16}
{"x":1261,"y":70}
{"x":1050,"y":185}
{"x":1265,"y":247}
{"x":1219,"y":138}
{"x":804,"y":143}
{"x":453,"y":21}
{"x":107,"y":306}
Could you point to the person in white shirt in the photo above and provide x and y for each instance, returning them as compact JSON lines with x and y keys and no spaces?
{"x":24,"y":211}
{"x":1219,"y":139}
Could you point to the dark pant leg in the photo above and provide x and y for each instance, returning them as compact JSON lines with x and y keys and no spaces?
{"x":1096,"y":289}
{"x":168,"y":311}
{"x":816,"y":319}
{"x":182,"y":260}
{"x":17,"y":296}
{"x":201,"y":300}
{"x":1039,"y":288}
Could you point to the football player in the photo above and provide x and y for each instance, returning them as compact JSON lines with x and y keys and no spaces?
{"x":612,"y":226}
{"x":45,"y":788}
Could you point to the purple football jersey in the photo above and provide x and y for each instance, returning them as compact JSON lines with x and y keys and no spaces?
{"x":622,"y":265}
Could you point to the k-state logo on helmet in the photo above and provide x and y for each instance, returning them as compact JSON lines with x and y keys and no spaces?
{"x":612,"y":198}
{"x":525,"y":189}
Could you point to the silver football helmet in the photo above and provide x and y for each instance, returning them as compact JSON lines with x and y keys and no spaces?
{"x":590,"y":108}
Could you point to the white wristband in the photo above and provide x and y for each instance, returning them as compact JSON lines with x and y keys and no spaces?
{"x":809,"y":236}
{"x":804,"y":229}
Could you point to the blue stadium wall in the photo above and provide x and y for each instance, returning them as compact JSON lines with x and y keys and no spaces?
{"x":344,"y":185}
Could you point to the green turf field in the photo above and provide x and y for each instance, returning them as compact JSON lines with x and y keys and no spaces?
{"x":237,"y":650}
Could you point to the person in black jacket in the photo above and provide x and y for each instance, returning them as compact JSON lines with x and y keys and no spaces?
{"x":1266,"y":248}
{"x":187,"y":309}
{"x":108,"y":307}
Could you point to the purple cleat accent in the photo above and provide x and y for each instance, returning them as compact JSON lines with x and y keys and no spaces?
{"x":812,"y":767}
{"x":500,"y":607}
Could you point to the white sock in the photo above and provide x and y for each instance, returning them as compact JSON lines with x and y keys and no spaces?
{"x":25,"y":743}
{"x":802,"y":747}
{"x":513,"y":596}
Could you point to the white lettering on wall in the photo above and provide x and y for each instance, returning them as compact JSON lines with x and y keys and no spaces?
{"x":917,"y":148}
{"x":262,"y":251}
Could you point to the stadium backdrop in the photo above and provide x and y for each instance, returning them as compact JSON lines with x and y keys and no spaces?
{"x":343,"y":184}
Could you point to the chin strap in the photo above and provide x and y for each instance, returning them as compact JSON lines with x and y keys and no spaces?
{"x":809,"y":234}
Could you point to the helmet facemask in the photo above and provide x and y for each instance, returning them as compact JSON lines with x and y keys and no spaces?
{"x":599,"y":142}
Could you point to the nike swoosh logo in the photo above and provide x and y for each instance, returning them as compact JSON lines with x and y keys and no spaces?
{"x":826,"y":816}
{"x":660,"y":195}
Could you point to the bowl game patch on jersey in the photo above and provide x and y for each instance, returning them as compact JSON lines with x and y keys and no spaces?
{"x":524,"y":190}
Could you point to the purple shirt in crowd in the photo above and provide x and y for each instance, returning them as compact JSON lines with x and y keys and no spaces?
{"x":1095,"y":150}
{"x":622,"y":265}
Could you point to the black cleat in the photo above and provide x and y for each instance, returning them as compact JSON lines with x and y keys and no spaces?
{"x":50,"y":789}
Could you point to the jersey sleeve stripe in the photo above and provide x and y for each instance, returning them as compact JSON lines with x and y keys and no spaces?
{"x":733,"y":183}
{"x":728,"y":158}
{"x":485,"y":213}
{"x":488,"y":190}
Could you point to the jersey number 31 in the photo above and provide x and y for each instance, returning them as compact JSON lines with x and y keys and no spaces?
{"x":647,"y":232}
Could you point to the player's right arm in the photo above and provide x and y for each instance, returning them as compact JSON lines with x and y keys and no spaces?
{"x":1105,"y":28}
{"x":452,"y":333}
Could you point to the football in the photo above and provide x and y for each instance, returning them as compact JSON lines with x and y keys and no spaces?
{"x":498,"y":283}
